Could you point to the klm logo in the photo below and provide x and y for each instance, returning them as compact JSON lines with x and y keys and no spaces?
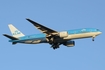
{"x":16,"y":32}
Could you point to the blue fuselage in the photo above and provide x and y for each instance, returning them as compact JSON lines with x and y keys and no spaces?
{"x":72,"y":34}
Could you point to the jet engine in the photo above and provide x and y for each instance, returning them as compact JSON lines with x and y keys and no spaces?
{"x":63,"y":34}
{"x":69,"y":43}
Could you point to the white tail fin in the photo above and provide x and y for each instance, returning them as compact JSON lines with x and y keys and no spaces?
{"x":15,"y":32}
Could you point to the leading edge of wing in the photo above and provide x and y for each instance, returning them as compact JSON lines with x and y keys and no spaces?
{"x":42,"y":28}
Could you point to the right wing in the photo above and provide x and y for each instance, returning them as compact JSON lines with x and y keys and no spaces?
{"x":42,"y":28}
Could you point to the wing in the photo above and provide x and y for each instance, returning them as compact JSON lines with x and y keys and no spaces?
{"x":42,"y":28}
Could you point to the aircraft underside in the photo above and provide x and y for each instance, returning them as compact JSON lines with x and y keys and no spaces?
{"x":56,"y":41}
{"x":54,"y":38}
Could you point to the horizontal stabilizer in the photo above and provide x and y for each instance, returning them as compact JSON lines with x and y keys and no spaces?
{"x":10,"y":37}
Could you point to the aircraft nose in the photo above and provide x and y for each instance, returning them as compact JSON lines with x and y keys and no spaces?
{"x":99,"y":32}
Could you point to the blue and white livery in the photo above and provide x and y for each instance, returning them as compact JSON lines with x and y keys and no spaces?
{"x":54,"y":38}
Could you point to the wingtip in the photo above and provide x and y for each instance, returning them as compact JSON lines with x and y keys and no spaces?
{"x":27,"y":18}
{"x":4,"y":34}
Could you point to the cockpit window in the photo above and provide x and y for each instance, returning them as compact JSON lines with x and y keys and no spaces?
{"x":98,"y":30}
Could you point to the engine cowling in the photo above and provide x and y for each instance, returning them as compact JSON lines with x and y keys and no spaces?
{"x":69,"y":43}
{"x":63,"y":34}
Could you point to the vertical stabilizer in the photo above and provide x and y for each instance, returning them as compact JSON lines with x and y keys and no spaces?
{"x":15,"y":32}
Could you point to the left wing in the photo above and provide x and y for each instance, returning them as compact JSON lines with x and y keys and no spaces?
{"x":42,"y":28}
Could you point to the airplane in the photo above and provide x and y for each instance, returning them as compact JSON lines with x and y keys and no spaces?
{"x":54,"y":38}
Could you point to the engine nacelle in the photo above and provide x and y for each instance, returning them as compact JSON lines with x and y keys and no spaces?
{"x":63,"y":34}
{"x":69,"y":43}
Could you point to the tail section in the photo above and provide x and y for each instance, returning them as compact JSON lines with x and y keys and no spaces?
{"x":15,"y":32}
